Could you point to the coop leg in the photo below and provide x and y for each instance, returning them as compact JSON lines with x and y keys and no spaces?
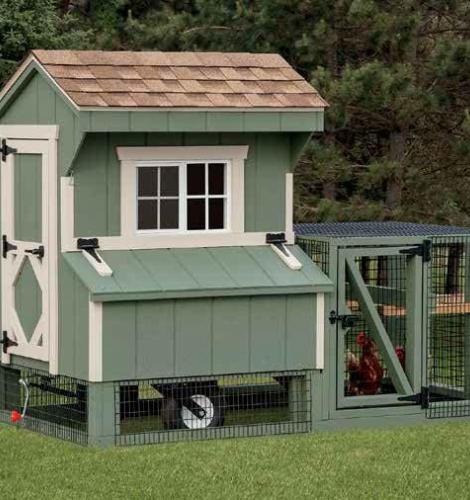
{"x":102,"y":414}
{"x":297,"y":398}
{"x":466,"y":340}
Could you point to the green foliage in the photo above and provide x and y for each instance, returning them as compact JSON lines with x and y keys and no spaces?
{"x":397,"y":141}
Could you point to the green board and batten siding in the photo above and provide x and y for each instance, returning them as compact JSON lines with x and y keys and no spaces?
{"x":146,"y":339}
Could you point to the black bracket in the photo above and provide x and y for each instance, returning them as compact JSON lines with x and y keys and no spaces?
{"x":278,"y":240}
{"x":423,"y":250}
{"x":6,"y":342}
{"x":39,"y":251}
{"x":422,"y":398}
{"x":6,"y":150}
{"x":7,"y":246}
{"x":89,"y":245}
{"x":347,"y":320}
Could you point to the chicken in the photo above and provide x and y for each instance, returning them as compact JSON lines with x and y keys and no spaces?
{"x":365,"y":374}
{"x":400,"y":352}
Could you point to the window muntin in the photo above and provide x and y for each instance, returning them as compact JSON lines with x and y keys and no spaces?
{"x":183,"y":197}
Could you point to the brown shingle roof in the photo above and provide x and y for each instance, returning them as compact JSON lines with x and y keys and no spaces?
{"x":178,"y":79}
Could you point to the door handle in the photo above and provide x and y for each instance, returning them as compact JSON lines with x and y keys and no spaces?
{"x":39,"y":251}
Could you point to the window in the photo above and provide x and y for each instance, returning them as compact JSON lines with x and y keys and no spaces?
{"x":182,"y":196}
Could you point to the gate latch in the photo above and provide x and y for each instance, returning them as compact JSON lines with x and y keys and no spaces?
{"x":347,"y":320}
{"x":422,"y":398}
{"x":6,"y":150}
{"x":39,"y":251}
{"x":6,"y":342}
{"x":423,"y":250}
{"x":7,"y":246}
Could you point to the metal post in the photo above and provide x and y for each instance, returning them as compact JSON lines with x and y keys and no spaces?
{"x":466,"y":353}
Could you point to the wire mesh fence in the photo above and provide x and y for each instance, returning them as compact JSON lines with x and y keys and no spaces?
{"x":52,"y":405}
{"x":160,"y":410}
{"x":317,"y":250}
{"x":448,"y":349}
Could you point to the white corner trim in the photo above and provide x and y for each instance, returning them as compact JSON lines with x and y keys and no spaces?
{"x":30,"y":132}
{"x":289,"y":259}
{"x":67,"y":213}
{"x":95,"y":334}
{"x":289,"y":202}
{"x":320,"y":332}
{"x":100,"y":267}
{"x":159,"y":153}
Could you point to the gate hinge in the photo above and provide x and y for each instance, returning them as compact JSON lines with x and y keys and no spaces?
{"x":423,"y":250}
{"x":6,"y":342}
{"x":347,"y":320}
{"x":422,"y":398}
{"x":6,"y":150}
{"x":7,"y":246}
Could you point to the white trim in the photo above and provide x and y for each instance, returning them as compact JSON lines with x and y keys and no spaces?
{"x":100,"y":267}
{"x":67,"y":212}
{"x":192,"y":153}
{"x":289,"y":259}
{"x":320,"y":332}
{"x":289,"y":202}
{"x":30,"y":132}
{"x":95,"y":335}
{"x":34,"y":139}
{"x":158,"y":241}
{"x":9,"y":84}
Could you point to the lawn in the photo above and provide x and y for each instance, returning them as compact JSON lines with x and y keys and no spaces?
{"x":427,"y":461}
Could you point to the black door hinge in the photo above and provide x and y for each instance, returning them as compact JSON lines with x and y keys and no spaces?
{"x":423,"y":250}
{"x":7,"y":246}
{"x":422,"y":398}
{"x":347,"y":320}
{"x":89,"y":245}
{"x":6,"y":150}
{"x":6,"y":342}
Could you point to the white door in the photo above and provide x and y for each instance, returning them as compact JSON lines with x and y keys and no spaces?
{"x":26,"y":205}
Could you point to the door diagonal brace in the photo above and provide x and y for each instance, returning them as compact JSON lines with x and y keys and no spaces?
{"x":379,"y":334}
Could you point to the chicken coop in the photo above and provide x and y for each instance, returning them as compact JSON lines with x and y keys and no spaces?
{"x":154,"y":288}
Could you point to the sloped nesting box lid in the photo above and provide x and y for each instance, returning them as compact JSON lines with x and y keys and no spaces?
{"x":197,"y":272}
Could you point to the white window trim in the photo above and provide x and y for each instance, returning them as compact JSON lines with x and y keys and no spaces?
{"x":133,"y":157}
{"x":183,"y":197}
{"x":236,"y":237}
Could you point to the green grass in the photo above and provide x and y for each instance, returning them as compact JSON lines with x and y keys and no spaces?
{"x":427,"y":461}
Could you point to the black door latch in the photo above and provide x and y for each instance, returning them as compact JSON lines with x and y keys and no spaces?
{"x":6,"y":150}
{"x":347,"y":320}
{"x":39,"y":251}
{"x":6,"y":342}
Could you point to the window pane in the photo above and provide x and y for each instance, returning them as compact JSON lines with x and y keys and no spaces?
{"x":216,"y":213}
{"x":196,"y":214}
{"x":196,"y":178}
{"x":148,"y":181}
{"x":169,"y":214}
{"x":216,"y":178}
{"x":148,"y":214}
{"x":169,"y":180}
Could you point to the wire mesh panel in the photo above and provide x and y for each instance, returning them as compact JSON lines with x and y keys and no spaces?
{"x":160,"y":410}
{"x":317,"y":250}
{"x":448,"y":356}
{"x":52,"y":405}
{"x":365,"y":371}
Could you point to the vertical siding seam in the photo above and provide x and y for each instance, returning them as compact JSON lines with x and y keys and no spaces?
{"x":250,"y":320}
{"x":286,"y":301}
{"x":212,"y":333}
{"x":136,"y":336}
{"x":107,"y":146}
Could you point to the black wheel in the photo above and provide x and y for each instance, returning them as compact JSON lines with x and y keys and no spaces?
{"x":199,"y":408}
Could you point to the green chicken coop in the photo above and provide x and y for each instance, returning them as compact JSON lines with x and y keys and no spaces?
{"x":154,"y":287}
